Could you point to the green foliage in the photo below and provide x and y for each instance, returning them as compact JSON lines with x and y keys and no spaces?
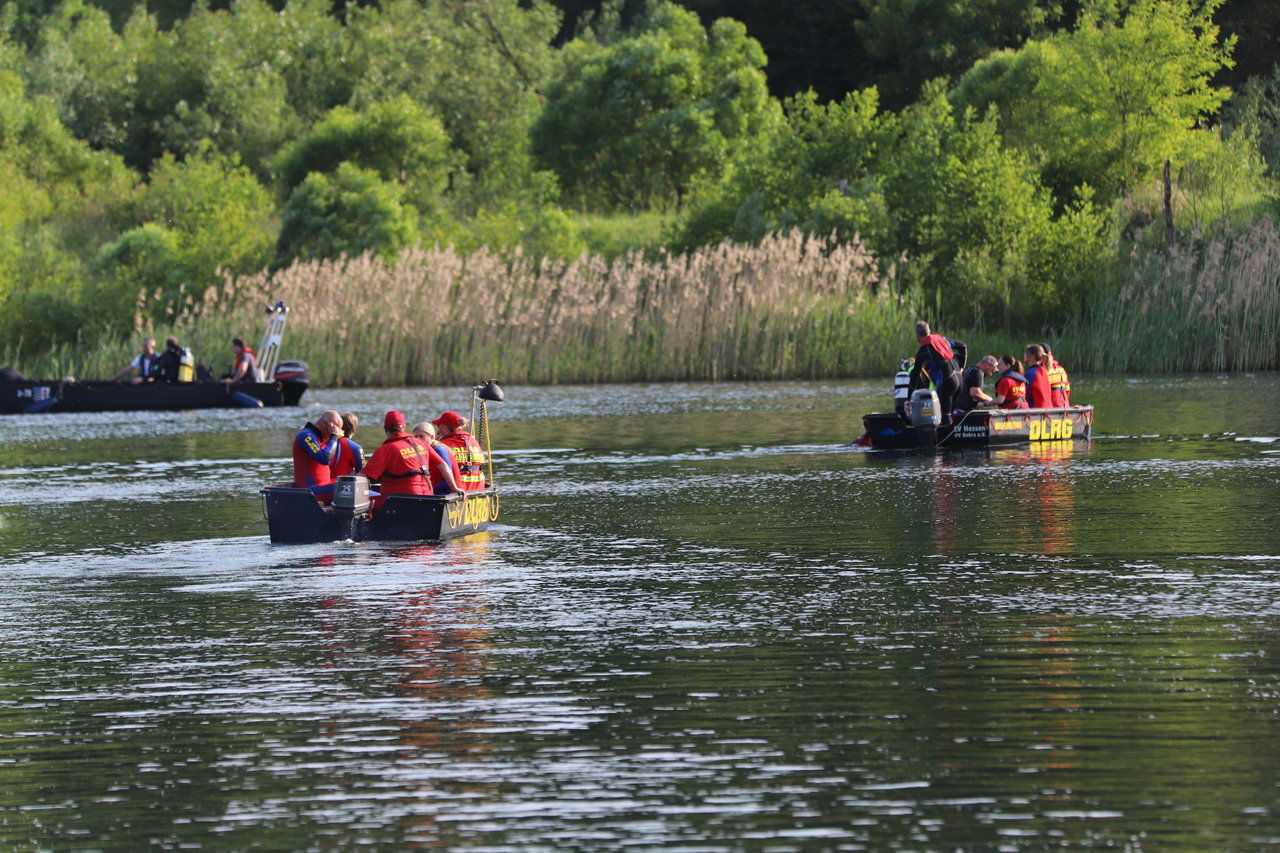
{"x":346,"y":212}
{"x":1255,"y":112}
{"x":636,"y":121}
{"x":400,"y":140}
{"x":1107,"y":102}
{"x":146,"y":260}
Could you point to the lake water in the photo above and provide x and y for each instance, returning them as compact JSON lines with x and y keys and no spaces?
{"x":701,"y":624}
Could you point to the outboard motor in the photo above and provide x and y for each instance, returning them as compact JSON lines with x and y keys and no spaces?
{"x":350,"y":502}
{"x":293,"y":371}
{"x":926,"y":415}
{"x":901,"y":388}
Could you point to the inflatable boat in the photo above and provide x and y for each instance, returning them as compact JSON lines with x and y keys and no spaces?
{"x":286,"y":381}
{"x":979,"y":428}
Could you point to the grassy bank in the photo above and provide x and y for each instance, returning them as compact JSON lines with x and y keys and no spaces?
{"x":789,"y":307}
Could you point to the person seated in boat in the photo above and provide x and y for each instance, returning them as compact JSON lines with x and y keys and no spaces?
{"x":350,"y":458}
{"x":451,"y":429}
{"x":446,"y":478}
{"x":1059,"y":382}
{"x":144,"y":363}
{"x":314,"y":449}
{"x":939,"y":360}
{"x":1011,"y":389}
{"x":401,"y":464}
{"x":245,"y":368}
{"x":1038,"y":395}
{"x":972,"y":396}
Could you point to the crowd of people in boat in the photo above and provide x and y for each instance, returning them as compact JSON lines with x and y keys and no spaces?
{"x":436,"y":457}
{"x":1040,"y":383}
{"x":178,"y":364}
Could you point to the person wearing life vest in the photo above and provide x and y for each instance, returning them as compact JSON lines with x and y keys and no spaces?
{"x":144,"y":363}
{"x":314,"y":449}
{"x":1059,"y":382}
{"x":939,"y":360}
{"x":447,"y":477}
{"x":401,"y":464}
{"x":1038,"y":394}
{"x":1011,"y":389}
{"x":350,"y":458}
{"x":451,"y":429}
{"x":246,"y":367}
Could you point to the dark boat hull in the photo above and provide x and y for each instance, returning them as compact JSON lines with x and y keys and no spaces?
{"x":295,"y":517}
{"x":34,"y":397}
{"x":985,"y":428}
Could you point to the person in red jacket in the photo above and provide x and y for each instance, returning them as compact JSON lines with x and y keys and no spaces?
{"x":1059,"y":382}
{"x":350,"y":458}
{"x":1038,"y":393}
{"x":1011,"y":389}
{"x":246,"y":367}
{"x":451,"y":429}
{"x":446,"y":478}
{"x":314,"y":449}
{"x":401,"y":464}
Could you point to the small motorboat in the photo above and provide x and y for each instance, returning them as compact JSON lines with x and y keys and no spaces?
{"x":917,"y":422}
{"x":295,"y":517}
{"x":288,"y":381}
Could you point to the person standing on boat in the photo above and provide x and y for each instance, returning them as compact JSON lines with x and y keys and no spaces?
{"x":314,"y":449}
{"x":1038,"y":394}
{"x":446,"y":477}
{"x":451,"y":428}
{"x":350,"y":458}
{"x":245,"y":368}
{"x":1059,"y":382}
{"x":971,"y":395}
{"x":144,"y":362}
{"x":1011,"y":389}
{"x":937,"y":361}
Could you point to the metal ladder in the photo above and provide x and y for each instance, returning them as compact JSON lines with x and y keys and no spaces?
{"x":269,"y":351}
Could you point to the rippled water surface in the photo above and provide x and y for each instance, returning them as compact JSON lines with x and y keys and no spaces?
{"x":702,"y":624}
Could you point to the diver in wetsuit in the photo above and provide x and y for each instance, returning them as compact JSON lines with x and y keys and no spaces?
{"x":939,"y":360}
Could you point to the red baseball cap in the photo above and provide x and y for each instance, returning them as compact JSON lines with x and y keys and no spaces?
{"x":452,"y":420}
{"x":393,"y":419}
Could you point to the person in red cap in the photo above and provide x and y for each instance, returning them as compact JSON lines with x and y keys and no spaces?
{"x":401,"y":465}
{"x":451,"y":430}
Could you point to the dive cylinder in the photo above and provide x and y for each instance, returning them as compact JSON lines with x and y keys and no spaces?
{"x":186,"y":366}
{"x":901,"y":389}
{"x":926,"y":415}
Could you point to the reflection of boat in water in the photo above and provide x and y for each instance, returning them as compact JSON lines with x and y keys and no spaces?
{"x":288,"y":381}
{"x":980,"y":428}
{"x":294,"y":515}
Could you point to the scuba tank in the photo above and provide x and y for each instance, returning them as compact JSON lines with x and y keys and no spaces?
{"x":901,"y":384}
{"x":186,"y":366}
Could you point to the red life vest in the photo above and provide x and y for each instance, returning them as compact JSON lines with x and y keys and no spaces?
{"x":400,"y":467}
{"x":1038,"y":389}
{"x":1059,"y":384}
{"x":940,"y":346}
{"x":1014,"y":390}
{"x":308,"y":471}
{"x":251,"y":374}
{"x":346,"y":461}
{"x":469,"y":455}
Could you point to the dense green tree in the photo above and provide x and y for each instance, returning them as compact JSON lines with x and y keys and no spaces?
{"x":633,"y":122}
{"x":1106,"y":103}
{"x":346,"y":212}
{"x":1254,"y":111}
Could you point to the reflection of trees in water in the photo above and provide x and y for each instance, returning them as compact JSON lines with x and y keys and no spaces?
{"x":1048,"y":496}
{"x":431,"y":648}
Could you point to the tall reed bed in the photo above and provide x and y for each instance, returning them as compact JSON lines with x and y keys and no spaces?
{"x":1214,"y":307}
{"x":791,"y":306}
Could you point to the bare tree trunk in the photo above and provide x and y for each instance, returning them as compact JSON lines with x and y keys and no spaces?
{"x":1168,"y":211}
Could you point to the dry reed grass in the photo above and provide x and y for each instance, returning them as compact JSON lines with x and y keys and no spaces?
{"x":792,"y":306}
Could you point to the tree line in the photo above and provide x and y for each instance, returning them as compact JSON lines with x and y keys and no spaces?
{"x":999,"y":159}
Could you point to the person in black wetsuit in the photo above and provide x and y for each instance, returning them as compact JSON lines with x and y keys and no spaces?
{"x":972,"y":395}
{"x":939,"y":360}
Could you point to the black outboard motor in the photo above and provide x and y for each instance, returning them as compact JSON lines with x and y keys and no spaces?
{"x":350,"y":502}
{"x":926,"y":416}
{"x":294,"y":378}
